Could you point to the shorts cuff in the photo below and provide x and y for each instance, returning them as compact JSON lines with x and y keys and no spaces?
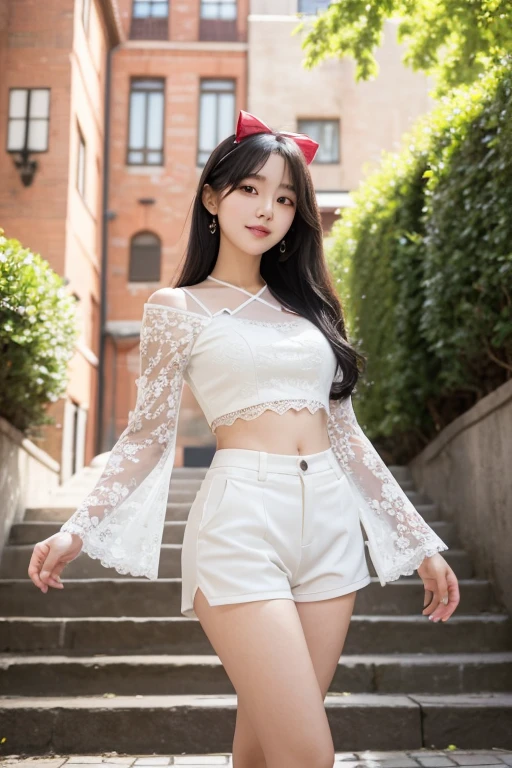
{"x":249,"y":597}
{"x":304,"y":597}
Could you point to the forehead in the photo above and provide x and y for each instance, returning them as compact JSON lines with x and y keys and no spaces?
{"x":272,"y":171}
{"x":275,"y":167}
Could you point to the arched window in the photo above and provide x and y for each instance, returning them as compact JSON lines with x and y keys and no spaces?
{"x":145,"y":258}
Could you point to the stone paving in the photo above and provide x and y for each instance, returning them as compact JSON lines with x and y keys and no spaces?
{"x":424,"y":758}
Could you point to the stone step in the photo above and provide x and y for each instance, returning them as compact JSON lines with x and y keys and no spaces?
{"x":175,"y":529}
{"x":205,"y":724}
{"x":15,"y":560}
{"x":480,"y":633}
{"x":162,"y":597}
{"x":175,"y":511}
{"x":44,"y":522}
{"x":165,"y":675}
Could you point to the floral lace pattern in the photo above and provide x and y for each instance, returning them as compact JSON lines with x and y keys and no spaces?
{"x":269,"y":324}
{"x":253,"y":411}
{"x":121,"y":521}
{"x":398,"y":537}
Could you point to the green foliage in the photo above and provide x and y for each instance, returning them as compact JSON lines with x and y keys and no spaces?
{"x":454,"y":42}
{"x":37,"y":335}
{"x":424,"y":265}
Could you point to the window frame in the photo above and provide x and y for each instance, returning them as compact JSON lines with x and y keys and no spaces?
{"x":150,"y":3}
{"x":232,"y":92}
{"x":145,"y":150}
{"x":218,"y":3}
{"x":303,"y":129}
{"x":27,"y":120}
{"x":158,"y":241}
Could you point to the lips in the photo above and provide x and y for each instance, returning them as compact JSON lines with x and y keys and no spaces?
{"x":264,"y":230}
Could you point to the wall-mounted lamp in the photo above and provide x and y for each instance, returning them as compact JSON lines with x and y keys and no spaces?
{"x":25,"y":166}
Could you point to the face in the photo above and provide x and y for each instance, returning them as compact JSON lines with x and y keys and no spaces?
{"x":256,"y":202}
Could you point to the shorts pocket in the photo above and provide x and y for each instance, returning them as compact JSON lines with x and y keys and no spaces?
{"x":214,"y":497}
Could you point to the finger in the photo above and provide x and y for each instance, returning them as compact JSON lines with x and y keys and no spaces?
{"x":428,"y":605}
{"x":441,"y":597}
{"x":36,"y":561}
{"x":450,"y":593}
{"x":453,"y":595}
{"x":429,"y":611}
{"x":49,"y":570}
{"x":50,"y":578}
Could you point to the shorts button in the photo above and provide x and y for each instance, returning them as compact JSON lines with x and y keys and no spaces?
{"x":303,"y":464}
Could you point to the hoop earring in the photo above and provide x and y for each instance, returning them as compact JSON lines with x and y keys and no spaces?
{"x":213,"y":226}
{"x":282,"y":250}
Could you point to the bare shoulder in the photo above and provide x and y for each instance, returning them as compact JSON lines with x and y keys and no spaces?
{"x":169,"y":297}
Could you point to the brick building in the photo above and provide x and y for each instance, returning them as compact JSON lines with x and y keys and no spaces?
{"x":134,"y":95}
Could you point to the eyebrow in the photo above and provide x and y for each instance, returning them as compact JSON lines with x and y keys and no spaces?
{"x":259,"y":177}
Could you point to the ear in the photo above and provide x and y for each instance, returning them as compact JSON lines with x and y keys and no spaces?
{"x":209,"y":199}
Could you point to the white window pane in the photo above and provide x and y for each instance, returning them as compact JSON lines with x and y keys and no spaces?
{"x":154,"y":158}
{"x":145,"y":240}
{"x":160,"y":10}
{"x":226,"y":123}
{"x":228,"y":11}
{"x":135,"y":157}
{"x":209,"y":10}
{"x":207,"y":121}
{"x":147,"y":85}
{"x":18,"y":102}
{"x":313,"y":130}
{"x":137,"y":120}
{"x":39,"y":102}
{"x":331,"y":138}
{"x":16,"y":135}
{"x":218,"y":85}
{"x":38,"y":135}
{"x":155,"y":120}
{"x":141,"y":10}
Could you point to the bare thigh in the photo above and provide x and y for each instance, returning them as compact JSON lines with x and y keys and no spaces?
{"x":325,"y":624}
{"x":263,"y":648}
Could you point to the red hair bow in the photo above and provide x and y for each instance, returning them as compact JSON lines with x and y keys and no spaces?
{"x":249,"y":124}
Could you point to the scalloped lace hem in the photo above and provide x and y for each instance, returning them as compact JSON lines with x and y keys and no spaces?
{"x":409,"y":566}
{"x":279,"y":406}
{"x":107,"y":560}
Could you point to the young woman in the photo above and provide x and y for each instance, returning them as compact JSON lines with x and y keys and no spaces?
{"x":273,"y":551}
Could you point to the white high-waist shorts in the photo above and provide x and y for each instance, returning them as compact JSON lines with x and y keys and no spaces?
{"x":270,"y":525}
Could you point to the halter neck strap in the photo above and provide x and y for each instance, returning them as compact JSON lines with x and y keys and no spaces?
{"x":230,"y":285}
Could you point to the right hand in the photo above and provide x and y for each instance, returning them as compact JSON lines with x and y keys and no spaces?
{"x":49,"y":558}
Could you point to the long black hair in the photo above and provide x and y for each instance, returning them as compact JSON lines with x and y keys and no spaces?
{"x":302,"y":282}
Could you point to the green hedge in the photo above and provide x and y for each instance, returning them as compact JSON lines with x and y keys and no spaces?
{"x":37,"y":335}
{"x":423,"y":262}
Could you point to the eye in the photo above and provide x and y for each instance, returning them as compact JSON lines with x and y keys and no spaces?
{"x":249,"y":186}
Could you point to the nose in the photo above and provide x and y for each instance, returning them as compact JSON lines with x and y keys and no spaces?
{"x":267,"y":208}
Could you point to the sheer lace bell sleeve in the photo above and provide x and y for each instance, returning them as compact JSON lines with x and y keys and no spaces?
{"x":398,"y":537}
{"x":121,"y":521}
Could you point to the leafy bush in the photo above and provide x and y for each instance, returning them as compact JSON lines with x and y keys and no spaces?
{"x":424,"y":265}
{"x":37,"y":335}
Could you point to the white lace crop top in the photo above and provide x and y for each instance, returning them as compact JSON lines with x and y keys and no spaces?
{"x":239,"y":359}
{"x":255,"y":357}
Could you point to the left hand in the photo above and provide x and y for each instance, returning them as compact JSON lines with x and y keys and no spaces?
{"x":439,"y":580}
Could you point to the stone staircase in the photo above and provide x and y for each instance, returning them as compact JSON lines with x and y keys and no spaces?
{"x":110,"y":661}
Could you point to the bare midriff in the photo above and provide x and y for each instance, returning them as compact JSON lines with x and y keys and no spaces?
{"x":293,"y":432}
